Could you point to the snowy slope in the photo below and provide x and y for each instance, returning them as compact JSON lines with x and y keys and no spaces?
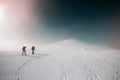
{"x":68,"y":44}
{"x":65,"y":60}
{"x":71,"y":44}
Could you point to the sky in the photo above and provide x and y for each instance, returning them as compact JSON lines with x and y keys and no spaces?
{"x":39,"y":22}
{"x":91,"y":21}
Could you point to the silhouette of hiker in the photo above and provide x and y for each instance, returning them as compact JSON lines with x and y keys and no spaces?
{"x":33,"y":49}
{"x":24,"y":50}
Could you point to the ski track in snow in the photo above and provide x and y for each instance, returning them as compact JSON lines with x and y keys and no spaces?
{"x":117,"y":77}
{"x":66,"y":70}
{"x":90,"y":74}
{"x":64,"y":73}
{"x":26,"y":62}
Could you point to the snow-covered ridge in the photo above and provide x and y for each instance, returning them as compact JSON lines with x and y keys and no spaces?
{"x":70,"y":44}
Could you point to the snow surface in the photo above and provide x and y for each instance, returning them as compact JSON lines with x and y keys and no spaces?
{"x":65,"y":60}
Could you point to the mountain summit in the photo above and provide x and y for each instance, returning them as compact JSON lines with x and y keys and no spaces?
{"x":69,"y":44}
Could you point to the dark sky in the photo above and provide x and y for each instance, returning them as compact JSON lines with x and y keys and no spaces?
{"x":92,"y":21}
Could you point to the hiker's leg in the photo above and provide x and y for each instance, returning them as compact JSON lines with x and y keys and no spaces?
{"x":25,"y":52}
{"x":32,"y":51}
{"x":22,"y":53}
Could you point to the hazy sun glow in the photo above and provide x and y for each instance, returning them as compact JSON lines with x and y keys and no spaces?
{"x":16,"y":20}
{"x":2,"y":14}
{"x":2,"y":21}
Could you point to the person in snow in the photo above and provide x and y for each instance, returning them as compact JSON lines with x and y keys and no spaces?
{"x":33,"y":49}
{"x":24,"y":50}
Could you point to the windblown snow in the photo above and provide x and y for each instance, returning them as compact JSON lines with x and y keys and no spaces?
{"x":65,"y":60}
